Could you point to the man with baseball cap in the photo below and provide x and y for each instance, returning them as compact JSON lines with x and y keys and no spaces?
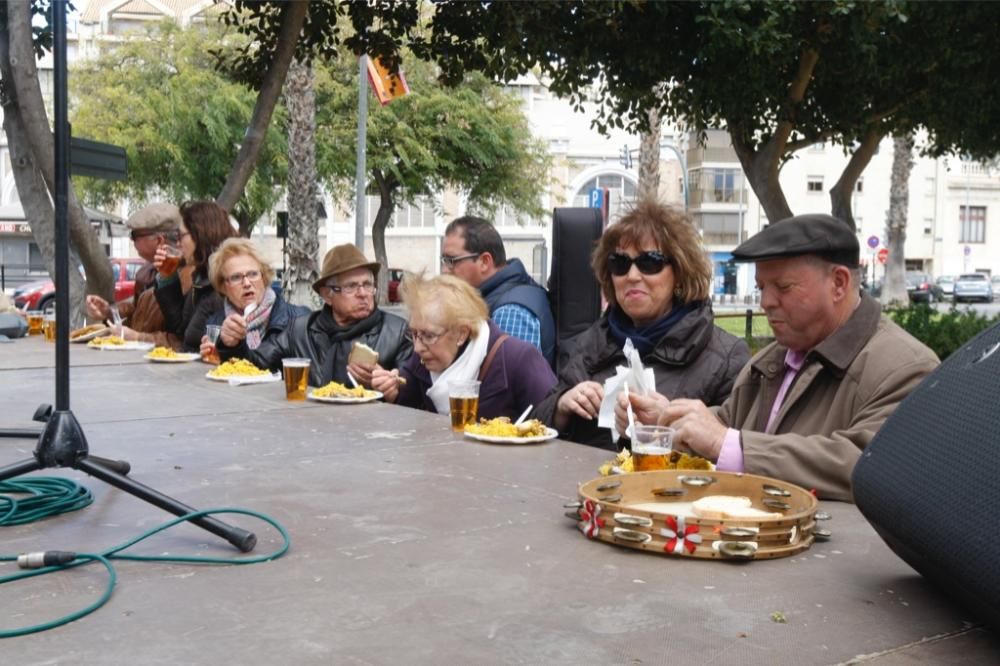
{"x":347,"y":286}
{"x":150,"y":227}
{"x":807,"y":404}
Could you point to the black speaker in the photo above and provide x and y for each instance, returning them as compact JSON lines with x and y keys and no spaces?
{"x":929,"y":482}
{"x":574,"y":294}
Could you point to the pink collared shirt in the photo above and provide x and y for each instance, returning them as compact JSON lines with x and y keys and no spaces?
{"x":731,"y":453}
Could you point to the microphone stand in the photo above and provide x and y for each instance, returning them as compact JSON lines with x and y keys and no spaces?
{"x":61,"y":443}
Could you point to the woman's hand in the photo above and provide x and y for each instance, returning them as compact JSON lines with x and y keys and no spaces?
{"x":206,"y":348}
{"x":130,"y":334}
{"x":386,"y":382}
{"x":583,"y":400}
{"x":159,"y":256}
{"x":97,"y":307}
{"x":234,"y":329}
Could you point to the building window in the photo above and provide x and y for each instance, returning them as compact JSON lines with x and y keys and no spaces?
{"x":419,"y":214}
{"x":714,"y":185}
{"x":621,"y":189}
{"x":814,"y":184}
{"x":507,"y":217}
{"x":973,"y":222}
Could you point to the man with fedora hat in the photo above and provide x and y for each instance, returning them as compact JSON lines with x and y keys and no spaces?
{"x":347,"y":286}
{"x":806,"y":405}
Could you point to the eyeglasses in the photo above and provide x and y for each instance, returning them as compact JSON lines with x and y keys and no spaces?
{"x":352,"y":288}
{"x":648,"y":263}
{"x":451,"y":261}
{"x":237,"y":278}
{"x":182,"y":234}
{"x":423,"y":337}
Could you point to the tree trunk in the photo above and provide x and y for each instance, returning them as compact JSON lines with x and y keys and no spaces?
{"x":303,"y":226}
{"x":842,"y":192}
{"x":386,"y":206}
{"x":894,"y":285}
{"x":28,"y":127}
{"x":649,"y":158}
{"x":761,"y":169}
{"x":292,"y":20}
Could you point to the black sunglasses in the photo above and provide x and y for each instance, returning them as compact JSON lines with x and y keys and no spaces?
{"x":648,"y":263}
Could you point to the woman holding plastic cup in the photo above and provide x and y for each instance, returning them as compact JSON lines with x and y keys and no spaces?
{"x":251,"y":311}
{"x":656,"y":278}
{"x":455,"y":346}
{"x":204,"y":225}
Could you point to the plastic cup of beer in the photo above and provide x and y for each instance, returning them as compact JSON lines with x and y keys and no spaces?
{"x":463,"y":399}
{"x":36,"y":318}
{"x":49,"y":328}
{"x":651,"y":446}
{"x":296,"y":373}
{"x":213,"y":331}
{"x":171,"y":261}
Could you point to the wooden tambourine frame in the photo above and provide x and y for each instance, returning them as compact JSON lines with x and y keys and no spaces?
{"x":608,"y":511}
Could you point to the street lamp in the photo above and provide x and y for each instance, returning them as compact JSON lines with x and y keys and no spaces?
{"x":626,"y":161}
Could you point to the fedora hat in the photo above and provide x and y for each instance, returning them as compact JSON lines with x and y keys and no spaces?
{"x":341,"y":259}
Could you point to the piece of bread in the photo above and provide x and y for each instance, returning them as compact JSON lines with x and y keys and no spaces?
{"x":721,"y":507}
{"x":362,"y":353}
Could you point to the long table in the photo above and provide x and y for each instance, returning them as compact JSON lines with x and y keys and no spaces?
{"x":411,"y":545}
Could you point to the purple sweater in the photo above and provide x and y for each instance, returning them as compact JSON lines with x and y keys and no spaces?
{"x":519,"y":376}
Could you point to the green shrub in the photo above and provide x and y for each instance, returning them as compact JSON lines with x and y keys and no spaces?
{"x":943,"y":332}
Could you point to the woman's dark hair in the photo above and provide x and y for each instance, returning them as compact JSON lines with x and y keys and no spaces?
{"x":675,"y":236}
{"x":208,"y":224}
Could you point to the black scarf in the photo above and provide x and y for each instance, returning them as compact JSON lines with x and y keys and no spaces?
{"x":645,"y":338}
{"x":341,"y":338}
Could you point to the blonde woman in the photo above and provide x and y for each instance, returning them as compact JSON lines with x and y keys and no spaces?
{"x":242,"y":276}
{"x":454,"y":340}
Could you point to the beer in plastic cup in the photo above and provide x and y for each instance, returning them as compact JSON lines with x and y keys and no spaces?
{"x":49,"y":328}
{"x":296,"y":372}
{"x":171,"y":261}
{"x":463,"y":401}
{"x":35,"y":320}
{"x":213,"y":331}
{"x":651,"y":446}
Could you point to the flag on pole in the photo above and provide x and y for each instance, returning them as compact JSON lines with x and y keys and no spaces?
{"x":386,"y":85}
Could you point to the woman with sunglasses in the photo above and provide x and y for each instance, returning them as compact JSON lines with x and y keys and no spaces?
{"x":204,"y":225}
{"x":454,"y":340}
{"x":655,"y":275}
{"x":251,"y":311}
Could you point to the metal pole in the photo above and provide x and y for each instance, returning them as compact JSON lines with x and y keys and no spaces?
{"x":61,"y":130}
{"x":360,"y":207}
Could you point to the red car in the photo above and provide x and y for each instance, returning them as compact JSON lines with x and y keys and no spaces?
{"x":41,"y":295}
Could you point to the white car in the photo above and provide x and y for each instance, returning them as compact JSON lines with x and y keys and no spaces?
{"x":973,"y":287}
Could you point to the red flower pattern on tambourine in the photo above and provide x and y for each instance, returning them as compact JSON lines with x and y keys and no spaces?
{"x":680,"y":536}
{"x":591,"y":524}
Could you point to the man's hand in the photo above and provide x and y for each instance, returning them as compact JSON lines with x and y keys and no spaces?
{"x":647,"y":409}
{"x":386,"y":382}
{"x":583,"y":400}
{"x":362,"y":372}
{"x":97,"y":307}
{"x":696,"y":427}
{"x":234,"y":329}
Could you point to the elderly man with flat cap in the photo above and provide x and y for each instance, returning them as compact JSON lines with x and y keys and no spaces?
{"x":806,"y":405}
{"x":150,"y":227}
{"x":347,"y":286}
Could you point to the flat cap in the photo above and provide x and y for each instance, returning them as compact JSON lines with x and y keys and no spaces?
{"x":155,"y":217}
{"x":817,"y":234}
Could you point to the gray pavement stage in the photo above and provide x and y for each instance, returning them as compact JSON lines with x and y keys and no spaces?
{"x":411,"y":545}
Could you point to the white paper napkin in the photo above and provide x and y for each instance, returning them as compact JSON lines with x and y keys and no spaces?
{"x":641,"y":381}
{"x":255,"y":379}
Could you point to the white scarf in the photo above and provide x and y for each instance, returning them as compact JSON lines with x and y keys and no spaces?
{"x":463,"y":368}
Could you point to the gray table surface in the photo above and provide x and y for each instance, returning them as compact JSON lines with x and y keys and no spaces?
{"x":411,"y":545}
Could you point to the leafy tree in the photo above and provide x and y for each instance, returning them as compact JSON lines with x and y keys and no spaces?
{"x":473,"y":138}
{"x":177,"y":117}
{"x":31,"y":144}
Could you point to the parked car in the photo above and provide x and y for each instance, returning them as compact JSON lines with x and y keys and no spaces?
{"x":995,"y":283}
{"x":947,"y":285}
{"x":41,"y":294}
{"x":395,"y":277}
{"x":973,"y":287}
{"x":921,"y":288}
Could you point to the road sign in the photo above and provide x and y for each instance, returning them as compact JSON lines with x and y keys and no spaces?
{"x":873,"y":242}
{"x":883,"y":255}
{"x":596,"y":198}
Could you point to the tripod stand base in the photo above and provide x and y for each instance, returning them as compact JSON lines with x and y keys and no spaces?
{"x":63,"y":444}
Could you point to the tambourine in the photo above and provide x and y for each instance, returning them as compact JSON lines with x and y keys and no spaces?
{"x":652,"y":511}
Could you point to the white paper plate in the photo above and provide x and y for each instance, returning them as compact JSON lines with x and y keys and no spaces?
{"x":245,"y":379}
{"x":343,"y":400}
{"x":104,"y":330}
{"x":182,"y":357}
{"x":130,"y":345}
{"x":550,"y":433}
